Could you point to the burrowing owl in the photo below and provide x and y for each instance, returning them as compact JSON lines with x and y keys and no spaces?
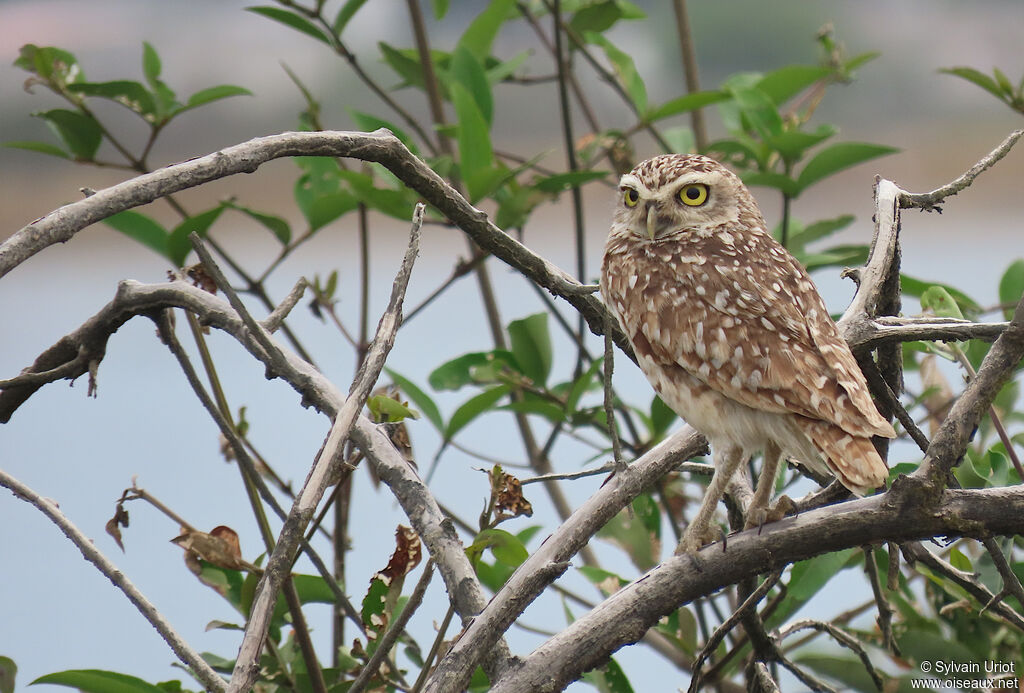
{"x":732,"y":333}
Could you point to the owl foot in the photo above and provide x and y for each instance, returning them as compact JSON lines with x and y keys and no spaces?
{"x":759,"y":517}
{"x":694,"y":538}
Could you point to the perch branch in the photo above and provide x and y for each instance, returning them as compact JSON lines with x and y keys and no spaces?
{"x":626,"y":615}
{"x":192,"y":659}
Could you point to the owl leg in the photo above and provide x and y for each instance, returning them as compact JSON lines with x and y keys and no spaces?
{"x":757,"y":513}
{"x":699,"y":531}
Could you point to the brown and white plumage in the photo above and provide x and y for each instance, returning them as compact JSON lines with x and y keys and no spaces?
{"x":730,"y":330}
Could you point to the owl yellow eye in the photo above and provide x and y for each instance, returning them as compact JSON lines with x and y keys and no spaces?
{"x":631,"y":197}
{"x":694,"y":194}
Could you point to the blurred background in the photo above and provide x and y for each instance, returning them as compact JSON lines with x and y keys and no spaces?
{"x":57,"y":613}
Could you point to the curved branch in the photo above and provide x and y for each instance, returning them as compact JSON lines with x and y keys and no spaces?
{"x":380,"y":146}
{"x":625,"y":616}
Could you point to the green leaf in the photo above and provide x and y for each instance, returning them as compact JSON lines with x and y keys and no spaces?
{"x":977,"y":78}
{"x":771,"y":179}
{"x":131,"y":95}
{"x":81,"y":133}
{"x":205,"y":96}
{"x":837,"y":157}
{"x":558,"y":182}
{"x":151,"y":66}
{"x":345,"y":14}
{"x":506,"y":547}
{"x":97,"y":681}
{"x":178,"y":244}
{"x":474,"y":407}
{"x":394,"y":203}
{"x":534,"y":404}
{"x":55,"y":65}
{"x":481,"y":32}
{"x":601,"y":16}
{"x":385,"y":408}
{"x":313,"y":589}
{"x":1011,"y":287}
{"x":409,"y":69}
{"x":369,"y":122}
{"x":836,"y":256}
{"x":917,"y":287}
{"x":625,"y":69}
{"x":41,"y":147}
{"x":531,"y":346}
{"x":792,"y":144}
{"x":583,"y":384}
{"x":295,"y":21}
{"x":276,"y":225}
{"x":8,"y":673}
{"x":783,"y":84}
{"x":758,"y":109}
{"x":321,"y":210}
{"x":960,"y":561}
{"x":419,"y":398}
{"x":661,"y":417}
{"x":848,"y":670}
{"x":142,"y":228}
{"x":602,"y":578}
{"x":476,"y":158}
{"x":469,"y":72}
{"x":440,"y":8}
{"x":821,"y":229}
{"x":940,"y":302}
{"x":461,"y":371}
{"x":687,"y":103}
{"x":502,"y":70}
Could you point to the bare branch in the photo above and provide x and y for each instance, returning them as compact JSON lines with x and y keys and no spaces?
{"x":192,"y":659}
{"x":930,"y":200}
{"x":279,"y":563}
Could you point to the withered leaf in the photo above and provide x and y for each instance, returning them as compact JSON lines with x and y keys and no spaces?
{"x":114,"y":524}
{"x":220,"y":548}
{"x":201,"y":278}
{"x":407,"y":555}
{"x":507,"y":493}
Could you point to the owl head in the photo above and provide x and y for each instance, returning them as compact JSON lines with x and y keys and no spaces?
{"x":676,"y":194}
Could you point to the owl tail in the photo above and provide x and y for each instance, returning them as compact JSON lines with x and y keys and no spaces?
{"x":853,"y":459}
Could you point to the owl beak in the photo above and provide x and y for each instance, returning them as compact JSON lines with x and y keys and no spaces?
{"x":652,"y":222}
{"x":656,"y":222}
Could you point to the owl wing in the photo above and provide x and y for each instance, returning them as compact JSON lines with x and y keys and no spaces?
{"x":757,"y":331}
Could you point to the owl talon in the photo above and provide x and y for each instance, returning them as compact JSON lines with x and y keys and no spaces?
{"x":759,"y":517}
{"x":694,"y":539}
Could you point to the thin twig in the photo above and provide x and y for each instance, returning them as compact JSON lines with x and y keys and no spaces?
{"x":930,"y":200}
{"x":190,"y":657}
{"x":609,"y":394}
{"x":885,"y":610}
{"x":1011,"y":583}
{"x":727,"y":625}
{"x":840,"y":636}
{"x":692,"y":467}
